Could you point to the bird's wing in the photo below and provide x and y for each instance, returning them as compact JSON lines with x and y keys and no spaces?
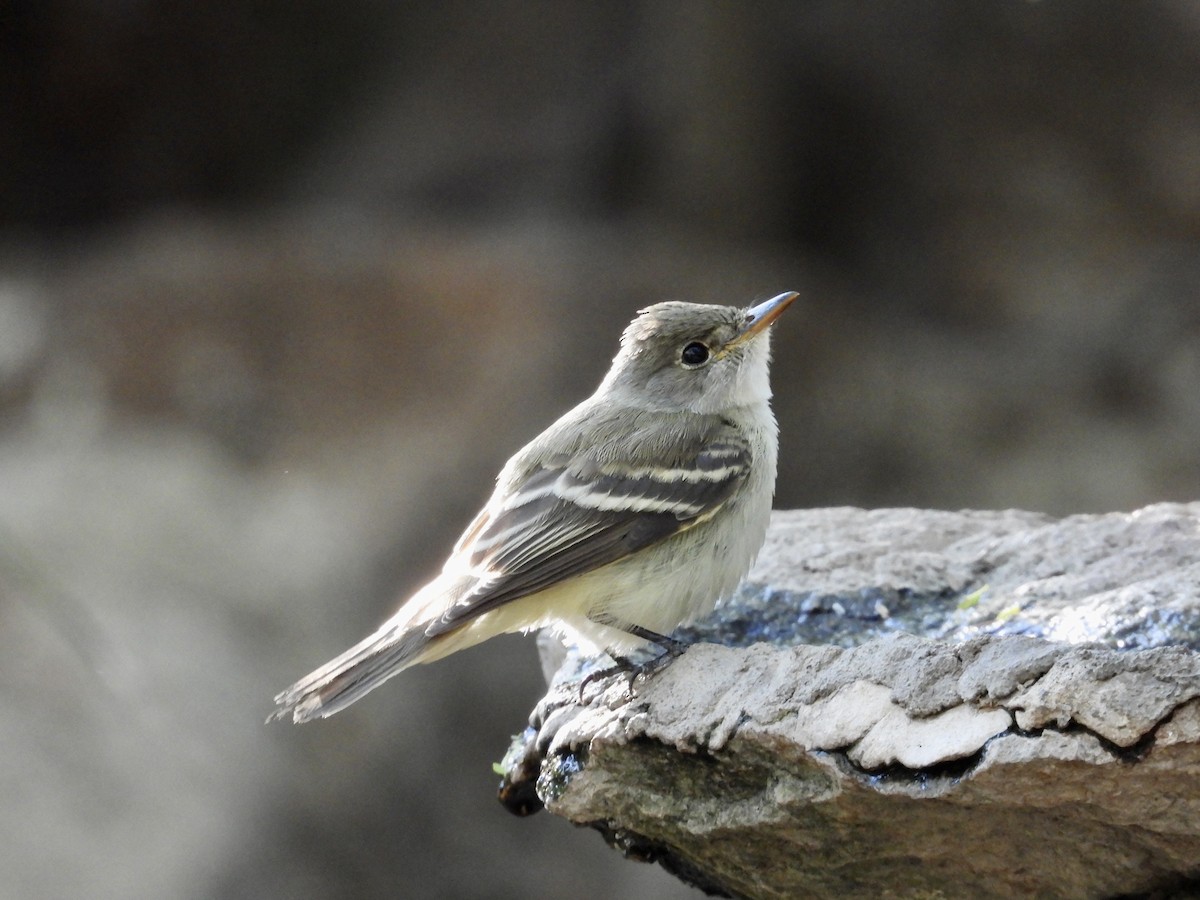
{"x":564,"y":520}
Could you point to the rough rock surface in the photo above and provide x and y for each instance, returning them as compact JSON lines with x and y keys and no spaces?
{"x":1045,"y":741}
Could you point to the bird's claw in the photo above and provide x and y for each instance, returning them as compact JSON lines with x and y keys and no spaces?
{"x":671,"y":650}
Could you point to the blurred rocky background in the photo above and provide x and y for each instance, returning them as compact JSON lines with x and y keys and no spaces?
{"x":282,"y":285}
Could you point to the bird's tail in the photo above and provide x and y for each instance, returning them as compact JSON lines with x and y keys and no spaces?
{"x":362,"y":668}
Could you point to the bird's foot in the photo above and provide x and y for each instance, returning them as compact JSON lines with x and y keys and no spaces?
{"x":633,"y":671}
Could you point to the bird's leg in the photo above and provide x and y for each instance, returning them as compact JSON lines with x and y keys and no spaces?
{"x":671,"y":649}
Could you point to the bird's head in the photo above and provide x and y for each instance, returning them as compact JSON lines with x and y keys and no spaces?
{"x":689,"y":356}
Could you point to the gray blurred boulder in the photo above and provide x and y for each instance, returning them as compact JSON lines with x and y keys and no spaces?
{"x":1018,"y":748}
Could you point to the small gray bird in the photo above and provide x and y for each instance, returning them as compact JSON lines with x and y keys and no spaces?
{"x":633,"y":514}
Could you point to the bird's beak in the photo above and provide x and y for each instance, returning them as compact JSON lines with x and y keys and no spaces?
{"x":759,"y":318}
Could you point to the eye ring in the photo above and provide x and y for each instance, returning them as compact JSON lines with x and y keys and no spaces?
{"x":694,"y":355}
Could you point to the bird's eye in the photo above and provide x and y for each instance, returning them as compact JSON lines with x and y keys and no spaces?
{"x":694,"y":355}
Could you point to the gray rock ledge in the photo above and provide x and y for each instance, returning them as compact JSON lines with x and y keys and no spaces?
{"x":1021,"y":751}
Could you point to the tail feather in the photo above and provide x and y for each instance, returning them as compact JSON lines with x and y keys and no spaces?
{"x":345,"y":679}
